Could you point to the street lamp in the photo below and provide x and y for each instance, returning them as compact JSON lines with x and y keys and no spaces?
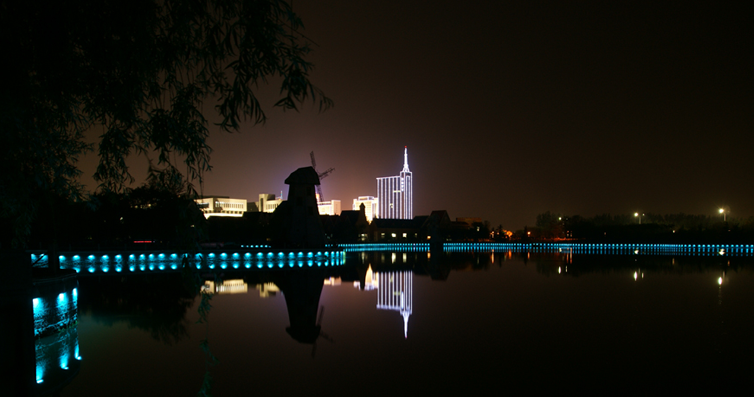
{"x":636,"y":215}
{"x":725,"y":216}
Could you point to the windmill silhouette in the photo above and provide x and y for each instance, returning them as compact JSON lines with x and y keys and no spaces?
{"x":322,"y":175}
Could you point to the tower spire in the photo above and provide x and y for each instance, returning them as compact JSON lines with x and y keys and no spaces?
{"x":405,"y":159}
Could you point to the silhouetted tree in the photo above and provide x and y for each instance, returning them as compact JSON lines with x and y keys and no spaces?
{"x":140,"y":71}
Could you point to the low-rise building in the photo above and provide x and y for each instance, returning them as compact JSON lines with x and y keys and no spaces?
{"x":221,"y":206}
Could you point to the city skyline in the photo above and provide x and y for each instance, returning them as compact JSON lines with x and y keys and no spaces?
{"x":513,"y":109}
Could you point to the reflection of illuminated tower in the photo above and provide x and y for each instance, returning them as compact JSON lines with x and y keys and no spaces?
{"x":396,"y":293}
{"x":395,"y":194}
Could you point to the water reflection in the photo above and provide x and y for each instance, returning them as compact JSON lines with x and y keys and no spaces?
{"x":485,"y":308}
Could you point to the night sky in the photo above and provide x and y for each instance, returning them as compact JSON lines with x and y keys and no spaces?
{"x":510,"y":109}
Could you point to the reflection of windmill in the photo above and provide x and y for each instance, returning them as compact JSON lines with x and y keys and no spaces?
{"x":321,"y":334}
{"x":321,"y":175}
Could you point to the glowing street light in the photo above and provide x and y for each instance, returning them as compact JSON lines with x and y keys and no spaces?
{"x":725,"y":215}
{"x":637,"y":215}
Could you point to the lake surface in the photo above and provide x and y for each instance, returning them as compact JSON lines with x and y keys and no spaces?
{"x":414,"y":323}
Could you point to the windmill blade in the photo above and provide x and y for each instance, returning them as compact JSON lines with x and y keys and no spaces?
{"x":326,"y":337}
{"x":326,"y":173}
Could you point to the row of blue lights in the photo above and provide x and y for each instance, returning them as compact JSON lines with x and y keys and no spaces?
{"x":160,"y":262}
{"x":171,"y":257}
{"x":418,"y":247}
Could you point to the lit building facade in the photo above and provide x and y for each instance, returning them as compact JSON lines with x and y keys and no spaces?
{"x":221,"y":206}
{"x":370,"y":206}
{"x":268,"y":202}
{"x":331,"y":207}
{"x":395,"y":194}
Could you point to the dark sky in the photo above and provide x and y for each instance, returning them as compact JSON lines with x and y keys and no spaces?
{"x":510,"y":109}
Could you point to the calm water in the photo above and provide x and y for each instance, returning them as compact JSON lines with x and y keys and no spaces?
{"x":395,"y":323}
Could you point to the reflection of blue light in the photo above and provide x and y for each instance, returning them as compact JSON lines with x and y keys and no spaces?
{"x":132,"y":268}
{"x":162,"y":266}
{"x":259,"y":265}
{"x":91,"y":269}
{"x":235,"y":265}
{"x":223,"y":265}
{"x":174,"y":266}
{"x":40,"y":372}
{"x":248,"y":265}
{"x":64,"y":360}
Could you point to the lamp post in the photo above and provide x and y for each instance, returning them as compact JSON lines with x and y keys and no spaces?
{"x":725,"y":216}
{"x":636,"y":215}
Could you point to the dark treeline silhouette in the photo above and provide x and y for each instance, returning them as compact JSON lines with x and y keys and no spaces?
{"x":110,"y":220}
{"x":642,"y":228}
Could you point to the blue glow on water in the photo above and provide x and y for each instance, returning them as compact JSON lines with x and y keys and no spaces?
{"x":174,"y":266}
{"x":91,"y":269}
{"x":248,"y":265}
{"x":40,"y":371}
{"x":132,"y":268}
{"x":161,"y":267}
{"x":235,"y":265}
{"x":64,"y":360}
{"x":105,"y":269}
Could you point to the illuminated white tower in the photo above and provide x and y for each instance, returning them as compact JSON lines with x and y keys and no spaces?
{"x":395,"y":193}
